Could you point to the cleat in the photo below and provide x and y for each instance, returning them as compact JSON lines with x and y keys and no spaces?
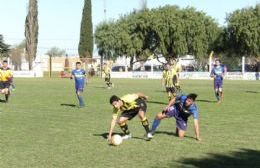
{"x":149,"y":135}
{"x":125,"y":137}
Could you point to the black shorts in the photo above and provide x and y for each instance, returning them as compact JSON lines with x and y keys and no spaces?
{"x":107,"y":78}
{"x":170,"y":89}
{"x":4,"y":85}
{"x":130,"y":114}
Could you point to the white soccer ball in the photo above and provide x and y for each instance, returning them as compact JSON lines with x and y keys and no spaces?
{"x":116,"y":140}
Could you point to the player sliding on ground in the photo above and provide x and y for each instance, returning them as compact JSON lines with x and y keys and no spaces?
{"x":218,"y":72}
{"x":128,"y":107}
{"x":181,"y":108}
{"x":79,"y":75}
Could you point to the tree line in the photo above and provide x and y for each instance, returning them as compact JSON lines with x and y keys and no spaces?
{"x":171,"y":31}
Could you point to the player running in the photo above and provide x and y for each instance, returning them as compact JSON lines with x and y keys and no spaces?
{"x":181,"y":108}
{"x":79,"y":76}
{"x":6,"y":79}
{"x":218,"y":72}
{"x":128,"y":107}
{"x":107,"y":71}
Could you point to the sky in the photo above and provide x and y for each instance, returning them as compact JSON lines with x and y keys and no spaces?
{"x":59,"y":20}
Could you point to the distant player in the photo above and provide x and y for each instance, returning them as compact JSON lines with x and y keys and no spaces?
{"x":181,"y":108}
{"x":79,"y":76}
{"x":218,"y":72}
{"x":176,"y":69}
{"x":6,"y":79}
{"x":127,"y":107}
{"x":107,"y":71}
{"x":167,"y":80}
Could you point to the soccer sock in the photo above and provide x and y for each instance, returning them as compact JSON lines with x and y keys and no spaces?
{"x":145,"y":124}
{"x":220,"y":94}
{"x":217,"y":95}
{"x":124,"y":128}
{"x":81,"y":101}
{"x":156,"y":123}
{"x":6,"y":97}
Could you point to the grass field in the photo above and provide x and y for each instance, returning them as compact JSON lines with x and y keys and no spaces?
{"x":40,"y":128}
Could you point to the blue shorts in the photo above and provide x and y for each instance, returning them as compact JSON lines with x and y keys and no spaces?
{"x":218,"y":84}
{"x":181,"y":124}
{"x":79,"y":88}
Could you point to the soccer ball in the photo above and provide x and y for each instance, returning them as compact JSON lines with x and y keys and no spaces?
{"x":116,"y":140}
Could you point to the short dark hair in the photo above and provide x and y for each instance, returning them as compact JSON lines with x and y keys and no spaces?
{"x":113,"y":98}
{"x":192,"y":96}
{"x":5,"y":61}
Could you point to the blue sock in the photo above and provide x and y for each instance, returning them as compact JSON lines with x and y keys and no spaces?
{"x":156,"y":123}
{"x":81,"y":101}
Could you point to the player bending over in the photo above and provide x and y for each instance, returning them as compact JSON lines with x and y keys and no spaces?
{"x":128,"y":107}
{"x":181,"y":108}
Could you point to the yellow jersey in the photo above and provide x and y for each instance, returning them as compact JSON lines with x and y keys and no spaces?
{"x":129,"y":103}
{"x":5,"y":74}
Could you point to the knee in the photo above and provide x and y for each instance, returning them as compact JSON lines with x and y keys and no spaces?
{"x":159,"y":116}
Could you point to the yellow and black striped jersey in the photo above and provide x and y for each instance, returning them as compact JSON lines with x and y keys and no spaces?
{"x":168,"y":76}
{"x":5,"y":74}
{"x":129,"y":103}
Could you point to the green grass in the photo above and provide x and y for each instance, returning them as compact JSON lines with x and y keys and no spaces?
{"x":37,"y":131}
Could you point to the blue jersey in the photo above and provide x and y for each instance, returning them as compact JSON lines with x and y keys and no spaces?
{"x":185,"y":112}
{"x":218,"y":71}
{"x":79,"y":76}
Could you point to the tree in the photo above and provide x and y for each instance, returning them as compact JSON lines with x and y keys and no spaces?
{"x":31,"y":32}
{"x":16,"y":55}
{"x":243,"y":33}
{"x":54,"y":52}
{"x":85,"y":47}
{"x":168,"y":31}
{"x":4,"y":48}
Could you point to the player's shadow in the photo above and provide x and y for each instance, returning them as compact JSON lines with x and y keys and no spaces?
{"x":244,"y":158}
{"x":68,"y":105}
{"x":249,"y":91}
{"x":2,"y":101}
{"x":157,"y":102}
{"x":206,"y":101}
{"x":105,"y":135}
{"x":172,"y":134}
{"x":101,"y":87}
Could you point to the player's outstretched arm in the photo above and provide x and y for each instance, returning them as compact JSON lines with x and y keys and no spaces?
{"x":112,"y":126}
{"x":172,"y":101}
{"x":197,"y":130}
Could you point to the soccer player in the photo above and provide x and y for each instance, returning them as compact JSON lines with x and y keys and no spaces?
{"x":128,"y":107}
{"x":218,"y":72}
{"x":176,"y":69}
{"x":6,"y":78}
{"x":79,"y":76}
{"x":167,"y":79}
{"x":107,"y":71}
{"x":181,"y":108}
